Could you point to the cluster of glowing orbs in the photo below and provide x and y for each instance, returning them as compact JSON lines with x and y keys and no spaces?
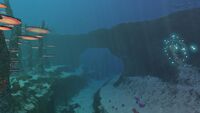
{"x":175,"y":49}
{"x":193,"y":48}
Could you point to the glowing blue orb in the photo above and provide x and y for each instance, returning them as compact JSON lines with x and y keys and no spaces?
{"x":193,"y":48}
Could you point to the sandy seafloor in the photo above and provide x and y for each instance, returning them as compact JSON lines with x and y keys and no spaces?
{"x":156,"y":95}
{"x":85,"y":97}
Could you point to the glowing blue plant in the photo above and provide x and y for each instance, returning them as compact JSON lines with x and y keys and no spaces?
{"x":175,"y":49}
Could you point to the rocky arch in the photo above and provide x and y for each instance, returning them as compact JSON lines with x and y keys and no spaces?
{"x":100,"y":63}
{"x":139,"y":44}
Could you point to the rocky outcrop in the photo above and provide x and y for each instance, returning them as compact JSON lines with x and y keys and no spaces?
{"x":150,"y":94}
{"x":139,"y":44}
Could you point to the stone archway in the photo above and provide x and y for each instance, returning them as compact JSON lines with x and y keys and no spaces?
{"x":101,"y":63}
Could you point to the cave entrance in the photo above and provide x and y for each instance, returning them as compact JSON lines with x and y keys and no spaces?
{"x":100,"y":63}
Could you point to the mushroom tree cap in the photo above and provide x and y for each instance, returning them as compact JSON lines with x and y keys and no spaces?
{"x":9,"y":20}
{"x":3,"y":5}
{"x":37,"y":30}
{"x":5,"y":28}
{"x":39,"y":36}
{"x":27,"y":37}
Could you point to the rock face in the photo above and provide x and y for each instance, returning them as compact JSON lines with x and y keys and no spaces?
{"x":65,"y":89}
{"x":139,"y":44}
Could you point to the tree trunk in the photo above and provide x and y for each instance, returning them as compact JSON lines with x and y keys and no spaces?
{"x":41,"y":53}
{"x":5,"y":95}
{"x":13,"y":45}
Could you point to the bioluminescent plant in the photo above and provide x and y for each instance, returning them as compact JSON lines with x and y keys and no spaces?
{"x":176,"y":49}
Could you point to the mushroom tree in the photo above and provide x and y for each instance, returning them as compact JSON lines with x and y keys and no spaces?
{"x":48,"y":57}
{"x":29,"y":38}
{"x":41,"y":53}
{"x":3,"y":6}
{"x":40,"y":32}
{"x":5,"y":28}
{"x":13,"y":45}
{"x":5,"y":94}
{"x":8,"y":8}
{"x":30,"y":56}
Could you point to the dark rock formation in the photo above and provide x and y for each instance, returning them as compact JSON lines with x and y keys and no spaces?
{"x":139,"y":44}
{"x":97,"y":103}
{"x":64,"y":89}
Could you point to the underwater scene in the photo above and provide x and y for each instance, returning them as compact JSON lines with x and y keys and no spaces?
{"x":99,"y":56}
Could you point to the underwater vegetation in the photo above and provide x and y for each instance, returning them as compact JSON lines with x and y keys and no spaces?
{"x":176,"y":49}
{"x":143,"y":65}
{"x":10,"y":58}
